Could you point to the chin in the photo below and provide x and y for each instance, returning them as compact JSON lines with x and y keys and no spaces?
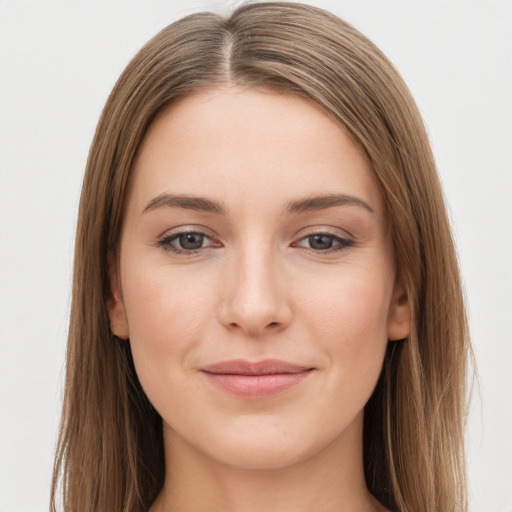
{"x":266,"y":443}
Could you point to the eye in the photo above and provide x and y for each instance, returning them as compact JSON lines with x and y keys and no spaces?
{"x":185,"y":242}
{"x":324,"y":242}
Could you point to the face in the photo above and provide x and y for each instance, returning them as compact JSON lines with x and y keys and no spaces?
{"x":255,"y":279}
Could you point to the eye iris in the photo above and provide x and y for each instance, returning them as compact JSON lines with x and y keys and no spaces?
{"x":320,"y":242}
{"x":191,"y":241}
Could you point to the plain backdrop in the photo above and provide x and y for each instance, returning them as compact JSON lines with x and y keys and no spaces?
{"x":58,"y":61}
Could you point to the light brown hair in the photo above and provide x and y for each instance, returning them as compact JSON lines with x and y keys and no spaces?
{"x":110,"y":455}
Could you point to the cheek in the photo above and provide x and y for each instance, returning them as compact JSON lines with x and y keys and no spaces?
{"x":166,"y":313}
{"x":347,"y":317}
{"x":352,"y":301}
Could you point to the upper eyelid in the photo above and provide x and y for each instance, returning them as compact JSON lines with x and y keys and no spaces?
{"x":325,"y":233}
{"x":182,"y":230}
{"x":207,"y":232}
{"x":324,"y":230}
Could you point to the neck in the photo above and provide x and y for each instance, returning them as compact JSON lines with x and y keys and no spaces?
{"x":331,"y":480}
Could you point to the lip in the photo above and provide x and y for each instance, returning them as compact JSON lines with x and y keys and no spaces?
{"x":255,"y":379}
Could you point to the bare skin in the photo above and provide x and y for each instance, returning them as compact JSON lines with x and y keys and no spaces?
{"x":310,"y":485}
{"x":252,"y":272}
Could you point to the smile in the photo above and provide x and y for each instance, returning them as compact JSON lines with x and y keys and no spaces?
{"x":255,"y":380}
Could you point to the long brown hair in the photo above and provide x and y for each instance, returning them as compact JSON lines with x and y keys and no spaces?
{"x":110,"y":451}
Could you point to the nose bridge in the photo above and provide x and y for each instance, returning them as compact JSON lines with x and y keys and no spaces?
{"x":255,"y":299}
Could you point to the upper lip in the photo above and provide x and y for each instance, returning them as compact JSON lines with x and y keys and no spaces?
{"x":265,"y":367}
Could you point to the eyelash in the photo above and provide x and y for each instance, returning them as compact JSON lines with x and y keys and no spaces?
{"x":166,"y":243}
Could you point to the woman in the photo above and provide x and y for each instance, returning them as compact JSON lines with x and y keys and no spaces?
{"x":267,"y":311}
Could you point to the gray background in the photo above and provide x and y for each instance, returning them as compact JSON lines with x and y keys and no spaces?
{"x":58,"y":61}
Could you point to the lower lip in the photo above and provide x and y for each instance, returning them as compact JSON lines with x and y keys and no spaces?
{"x":256,"y":386}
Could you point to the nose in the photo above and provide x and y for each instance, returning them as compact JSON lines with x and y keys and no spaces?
{"x":254,"y":295}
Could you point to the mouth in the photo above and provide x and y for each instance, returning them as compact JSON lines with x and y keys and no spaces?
{"x":255,"y":380}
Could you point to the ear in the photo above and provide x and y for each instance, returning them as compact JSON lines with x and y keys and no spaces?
{"x":399,"y":318}
{"x":115,"y":303}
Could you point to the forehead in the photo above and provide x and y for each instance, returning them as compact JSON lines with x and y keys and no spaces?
{"x":247,"y":146}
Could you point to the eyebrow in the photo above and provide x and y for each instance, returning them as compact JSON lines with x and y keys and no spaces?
{"x":294,"y":207}
{"x":187,"y":202}
{"x":326,"y":201}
